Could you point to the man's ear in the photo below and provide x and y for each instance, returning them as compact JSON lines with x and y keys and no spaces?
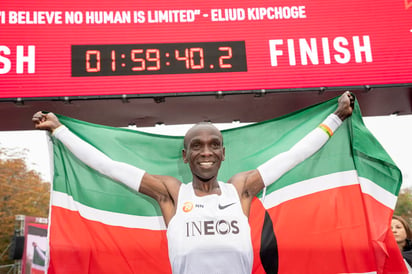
{"x":184,"y":156}
{"x":224,"y":154}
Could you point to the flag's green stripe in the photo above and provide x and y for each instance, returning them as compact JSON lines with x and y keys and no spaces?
{"x":246,"y":148}
{"x":371,"y":159}
{"x":249,"y":146}
{"x":95,"y":190}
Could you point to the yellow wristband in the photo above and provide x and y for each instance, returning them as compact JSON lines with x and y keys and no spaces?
{"x":326,"y":129}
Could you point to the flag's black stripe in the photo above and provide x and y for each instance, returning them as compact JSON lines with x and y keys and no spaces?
{"x":269,"y":247}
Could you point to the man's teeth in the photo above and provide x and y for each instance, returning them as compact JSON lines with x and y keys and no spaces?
{"x":206,"y":163}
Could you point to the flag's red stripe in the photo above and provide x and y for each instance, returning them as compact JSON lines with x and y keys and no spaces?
{"x":311,"y":239}
{"x":388,"y":256}
{"x":79,"y":245}
{"x":71,"y":235}
{"x":321,"y":232}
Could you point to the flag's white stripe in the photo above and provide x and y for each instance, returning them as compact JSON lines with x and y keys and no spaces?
{"x":106,"y":217}
{"x":326,"y":182}
{"x":380,"y":194}
{"x":310,"y":186}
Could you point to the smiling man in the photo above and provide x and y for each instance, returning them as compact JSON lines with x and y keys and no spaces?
{"x":207,"y":220}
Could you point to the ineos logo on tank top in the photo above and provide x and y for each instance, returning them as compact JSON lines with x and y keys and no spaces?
{"x":211,"y":227}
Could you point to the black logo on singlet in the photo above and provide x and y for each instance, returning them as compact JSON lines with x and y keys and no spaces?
{"x":225,"y":206}
{"x":211,"y":227}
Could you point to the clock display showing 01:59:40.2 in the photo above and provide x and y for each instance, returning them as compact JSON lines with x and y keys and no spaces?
{"x":162,"y":58}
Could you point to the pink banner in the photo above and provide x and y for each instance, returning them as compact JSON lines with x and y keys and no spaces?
{"x":89,"y":48}
{"x":35,"y":245}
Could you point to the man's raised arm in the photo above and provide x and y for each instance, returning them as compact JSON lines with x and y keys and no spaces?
{"x":270,"y":171}
{"x":127,"y":174}
{"x":273,"y":169}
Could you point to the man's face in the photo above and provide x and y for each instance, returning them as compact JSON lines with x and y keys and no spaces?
{"x":204,"y":151}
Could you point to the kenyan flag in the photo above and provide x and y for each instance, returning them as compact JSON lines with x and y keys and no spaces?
{"x":330,"y":214}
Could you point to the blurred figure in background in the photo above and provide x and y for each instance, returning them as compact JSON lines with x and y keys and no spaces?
{"x":403,"y":236}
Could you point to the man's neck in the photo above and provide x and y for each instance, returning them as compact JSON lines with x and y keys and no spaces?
{"x":206,"y":187}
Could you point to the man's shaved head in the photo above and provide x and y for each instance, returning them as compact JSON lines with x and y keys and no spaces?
{"x":198,"y":126}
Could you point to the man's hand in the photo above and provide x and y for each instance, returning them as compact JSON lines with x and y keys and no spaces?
{"x":47,"y":121}
{"x":345,"y":105}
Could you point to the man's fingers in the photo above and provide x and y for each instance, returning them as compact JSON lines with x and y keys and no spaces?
{"x":351,"y":99}
{"x":38,"y":117}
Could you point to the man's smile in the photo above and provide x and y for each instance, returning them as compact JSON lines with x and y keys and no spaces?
{"x":206,"y":163}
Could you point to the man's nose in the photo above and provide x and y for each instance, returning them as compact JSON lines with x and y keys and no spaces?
{"x":206,"y":151}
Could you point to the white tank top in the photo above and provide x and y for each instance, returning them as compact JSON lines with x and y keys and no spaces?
{"x":210,"y":234}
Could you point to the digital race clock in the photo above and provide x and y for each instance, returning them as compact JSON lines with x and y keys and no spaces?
{"x":166,"y":58}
